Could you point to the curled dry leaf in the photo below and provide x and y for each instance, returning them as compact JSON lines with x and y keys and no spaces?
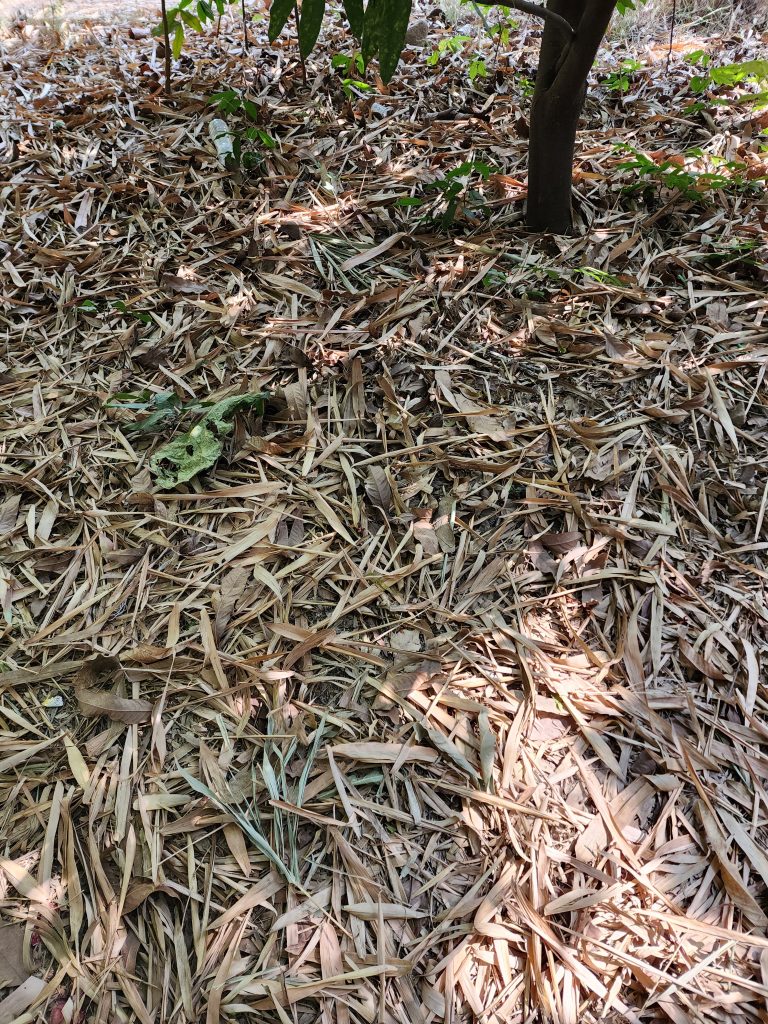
{"x":95,"y":703}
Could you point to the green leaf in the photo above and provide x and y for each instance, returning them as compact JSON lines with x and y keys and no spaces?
{"x":192,"y":20}
{"x":477,"y":69}
{"x":245,"y":824}
{"x":310,"y":21}
{"x":178,"y":40}
{"x":371,"y":28}
{"x":393,"y":28}
{"x":279,"y":13}
{"x":204,"y":10}
{"x":252,"y":161}
{"x":201,"y":447}
{"x":266,"y":139}
{"x":354,"y":12}
{"x":251,"y":109}
{"x":228,"y":101}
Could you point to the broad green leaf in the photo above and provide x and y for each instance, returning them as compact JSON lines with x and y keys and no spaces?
{"x":192,"y":20}
{"x":394,"y":26}
{"x":279,"y":13}
{"x":251,"y":109}
{"x":200,"y":447}
{"x":354,"y":12}
{"x":730,"y":74}
{"x":178,"y":40}
{"x":372,"y":21}
{"x":310,"y":21}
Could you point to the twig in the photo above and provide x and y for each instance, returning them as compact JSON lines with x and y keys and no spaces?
{"x":671,"y":32}
{"x":303,"y":63}
{"x":167,"y":44}
{"x":538,"y":11}
{"x":245,"y":28}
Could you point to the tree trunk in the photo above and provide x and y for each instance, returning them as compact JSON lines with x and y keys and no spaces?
{"x":550,"y":163}
{"x":561,"y":83}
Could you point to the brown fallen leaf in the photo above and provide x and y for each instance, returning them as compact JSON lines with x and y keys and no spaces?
{"x":182,"y":285}
{"x":147,"y":654}
{"x":699,"y":662}
{"x":94,"y":702}
{"x":378,"y":489}
{"x":12,"y":969}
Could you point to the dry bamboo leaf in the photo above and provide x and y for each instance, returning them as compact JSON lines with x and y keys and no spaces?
{"x":387,"y":911}
{"x":13,"y":971}
{"x":734,"y":886}
{"x":378,"y":489}
{"x":77,"y":763}
{"x":147,"y":654}
{"x":581,"y":455}
{"x":701,"y":664}
{"x":232,"y":589}
{"x":238,"y":848}
{"x":487,"y":748}
{"x":384,"y":753}
{"x":15,"y":1005}
{"x":129,"y":711}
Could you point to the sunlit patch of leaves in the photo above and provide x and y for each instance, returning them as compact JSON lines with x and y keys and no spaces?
{"x":692,"y":174}
{"x":249,"y":139}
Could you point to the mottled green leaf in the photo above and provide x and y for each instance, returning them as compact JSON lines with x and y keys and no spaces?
{"x":354,"y":12}
{"x":311,"y":19}
{"x":200,"y":447}
{"x":384,"y":28}
{"x":371,"y":29}
{"x":279,"y":13}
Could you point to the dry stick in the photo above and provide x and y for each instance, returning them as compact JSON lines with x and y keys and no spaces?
{"x":303,"y":65}
{"x":167,"y":43}
{"x":671,"y":32}
{"x":245,"y":29}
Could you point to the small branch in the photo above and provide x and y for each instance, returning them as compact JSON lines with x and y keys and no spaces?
{"x":245,"y":26}
{"x":303,"y":62}
{"x":538,"y":11}
{"x":671,"y":32}
{"x":167,"y":45}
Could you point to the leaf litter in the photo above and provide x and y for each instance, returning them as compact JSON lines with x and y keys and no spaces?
{"x":436,"y":694}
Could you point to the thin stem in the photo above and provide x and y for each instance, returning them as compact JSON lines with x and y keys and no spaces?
{"x":245,"y":28}
{"x":303,"y":64}
{"x":167,"y":44}
{"x":671,"y":32}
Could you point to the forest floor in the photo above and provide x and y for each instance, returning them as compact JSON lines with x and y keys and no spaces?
{"x":438,"y":694}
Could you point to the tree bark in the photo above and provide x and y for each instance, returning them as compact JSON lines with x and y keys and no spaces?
{"x":554,"y":120}
{"x":561,"y":83}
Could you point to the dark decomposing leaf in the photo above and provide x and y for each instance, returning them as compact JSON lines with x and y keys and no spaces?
{"x":93,"y":703}
{"x":378,"y":489}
